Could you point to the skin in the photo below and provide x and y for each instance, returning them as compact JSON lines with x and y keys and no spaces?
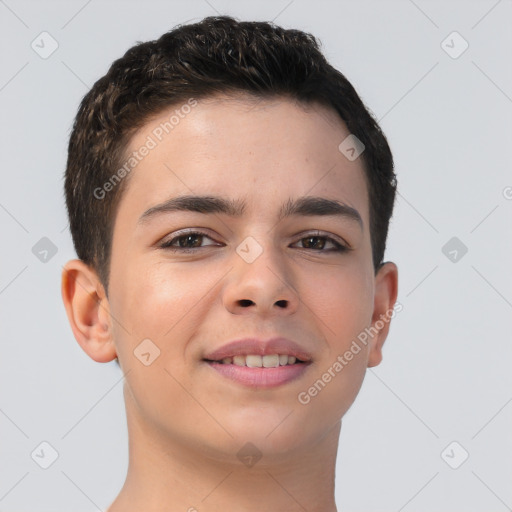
{"x":186,"y":422}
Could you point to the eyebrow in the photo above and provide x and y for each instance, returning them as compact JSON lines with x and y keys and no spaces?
{"x":302,"y":206}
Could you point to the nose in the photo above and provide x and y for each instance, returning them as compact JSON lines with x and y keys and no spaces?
{"x":263,"y":286}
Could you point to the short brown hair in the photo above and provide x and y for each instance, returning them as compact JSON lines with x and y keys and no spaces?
{"x":216,"y":55}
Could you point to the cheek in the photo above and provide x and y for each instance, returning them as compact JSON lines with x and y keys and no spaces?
{"x":157,"y":303}
{"x":343,"y":304}
{"x":343,"y":301}
{"x":154,"y":300}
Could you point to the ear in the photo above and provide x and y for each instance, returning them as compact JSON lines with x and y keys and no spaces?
{"x":386,"y":290}
{"x":88,"y":310}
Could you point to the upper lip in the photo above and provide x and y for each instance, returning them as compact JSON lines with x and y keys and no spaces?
{"x":249,"y":346}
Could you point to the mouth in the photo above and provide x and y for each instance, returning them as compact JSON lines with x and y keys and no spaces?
{"x":259,"y":372}
{"x":258,"y":361}
{"x":259,"y":364}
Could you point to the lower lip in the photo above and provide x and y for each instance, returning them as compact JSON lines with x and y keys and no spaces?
{"x":260,"y":377}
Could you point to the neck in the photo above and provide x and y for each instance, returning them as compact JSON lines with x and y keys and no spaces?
{"x":165,"y":473}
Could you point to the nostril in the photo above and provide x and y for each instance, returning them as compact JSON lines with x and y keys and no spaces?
{"x":246,"y":302}
{"x":281,"y":303}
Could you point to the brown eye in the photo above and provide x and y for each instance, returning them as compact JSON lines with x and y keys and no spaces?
{"x":189,"y":241}
{"x":318,"y":243}
{"x":186,"y":242}
{"x":312,"y":242}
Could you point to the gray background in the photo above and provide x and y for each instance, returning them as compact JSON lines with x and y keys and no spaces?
{"x":446,"y":371}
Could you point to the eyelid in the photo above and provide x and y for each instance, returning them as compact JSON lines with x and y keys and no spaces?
{"x":184,"y":232}
{"x":341,"y":245}
{"x":322,"y":234}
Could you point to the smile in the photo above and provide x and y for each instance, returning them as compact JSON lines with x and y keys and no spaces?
{"x":260,"y":371}
{"x":257,"y":361}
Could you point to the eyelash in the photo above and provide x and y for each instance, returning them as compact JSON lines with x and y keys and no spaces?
{"x":168,"y":245}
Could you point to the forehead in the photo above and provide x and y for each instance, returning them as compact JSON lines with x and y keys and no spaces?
{"x":240,"y":146}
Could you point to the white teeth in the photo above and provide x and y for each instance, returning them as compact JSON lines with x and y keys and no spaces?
{"x":239,"y":360}
{"x":271,"y":361}
{"x":257,"y":361}
{"x":254,"y":361}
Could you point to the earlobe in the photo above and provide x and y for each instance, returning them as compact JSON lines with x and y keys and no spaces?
{"x":88,"y":310}
{"x":386,"y":292}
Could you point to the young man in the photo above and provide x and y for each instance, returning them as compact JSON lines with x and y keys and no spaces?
{"x":229,"y":198}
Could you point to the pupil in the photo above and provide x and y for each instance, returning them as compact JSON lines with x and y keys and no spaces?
{"x":187,"y":238}
{"x":312,"y":238}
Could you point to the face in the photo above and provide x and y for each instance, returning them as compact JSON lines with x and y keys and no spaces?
{"x":192,"y":281}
